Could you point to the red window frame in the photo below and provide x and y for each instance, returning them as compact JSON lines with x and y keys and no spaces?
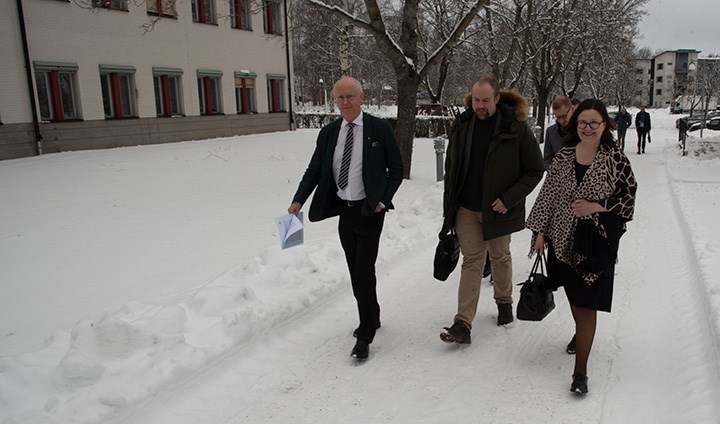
{"x":238,"y":16}
{"x":56,"y":97}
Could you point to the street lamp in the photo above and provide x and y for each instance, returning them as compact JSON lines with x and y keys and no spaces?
{"x":692,"y":67}
{"x":695,"y":67}
{"x":325,"y":105}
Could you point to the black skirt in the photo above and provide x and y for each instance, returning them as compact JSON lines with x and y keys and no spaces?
{"x":596,"y":296}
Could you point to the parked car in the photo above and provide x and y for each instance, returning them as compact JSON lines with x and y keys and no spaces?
{"x":714,"y":124}
{"x":689,"y":120}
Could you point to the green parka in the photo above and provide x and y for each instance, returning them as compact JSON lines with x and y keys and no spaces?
{"x":514,"y":166}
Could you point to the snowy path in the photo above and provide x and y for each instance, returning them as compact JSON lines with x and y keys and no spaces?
{"x":302,"y":373}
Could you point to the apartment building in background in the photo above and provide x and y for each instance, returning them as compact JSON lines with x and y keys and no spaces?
{"x":643,"y":82}
{"x":669,"y":72}
{"x":92,"y":74}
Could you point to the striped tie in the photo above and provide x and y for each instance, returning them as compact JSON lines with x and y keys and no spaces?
{"x":347,"y":153}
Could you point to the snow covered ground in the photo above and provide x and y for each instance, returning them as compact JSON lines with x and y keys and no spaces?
{"x":146,"y":285}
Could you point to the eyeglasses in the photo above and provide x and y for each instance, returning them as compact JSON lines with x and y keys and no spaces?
{"x":592,"y":124}
{"x":349,"y":97}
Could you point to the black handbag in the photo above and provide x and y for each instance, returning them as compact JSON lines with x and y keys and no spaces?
{"x":447,"y":253}
{"x":536,"y":294}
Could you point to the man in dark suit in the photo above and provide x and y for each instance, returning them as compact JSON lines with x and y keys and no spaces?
{"x":355,"y":171}
{"x":642,"y":125}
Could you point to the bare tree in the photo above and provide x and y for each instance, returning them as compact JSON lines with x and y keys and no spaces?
{"x":403,"y":53}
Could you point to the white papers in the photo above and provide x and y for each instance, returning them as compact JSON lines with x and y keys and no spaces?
{"x":290,"y":228}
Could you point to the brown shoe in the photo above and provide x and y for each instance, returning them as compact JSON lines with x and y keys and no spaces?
{"x":459,"y":332}
{"x":505,"y":315}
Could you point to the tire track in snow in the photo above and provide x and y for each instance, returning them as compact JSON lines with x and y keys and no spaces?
{"x":665,"y":364}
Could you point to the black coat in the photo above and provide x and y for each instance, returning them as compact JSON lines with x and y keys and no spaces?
{"x":646,"y":119}
{"x":623,"y":122}
{"x":382,"y":170}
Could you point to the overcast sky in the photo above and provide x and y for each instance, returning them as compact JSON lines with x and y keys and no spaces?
{"x":682,"y":24}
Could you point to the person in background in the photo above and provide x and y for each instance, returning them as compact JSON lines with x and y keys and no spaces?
{"x":623,"y":120}
{"x":562,"y":108}
{"x":493,"y":162}
{"x":355,"y":171}
{"x":580,"y":214}
{"x":642,"y":125}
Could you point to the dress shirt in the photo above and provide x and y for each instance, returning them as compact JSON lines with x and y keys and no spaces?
{"x":355,"y":189}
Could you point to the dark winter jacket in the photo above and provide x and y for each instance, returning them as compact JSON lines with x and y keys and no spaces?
{"x":513,"y":166}
{"x":623,"y":120}
{"x":553,"y":143}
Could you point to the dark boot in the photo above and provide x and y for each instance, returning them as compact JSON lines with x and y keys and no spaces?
{"x":488,"y":268}
{"x":459,"y":332}
{"x":571,"y":346}
{"x":579,"y":384}
{"x":505,"y":315}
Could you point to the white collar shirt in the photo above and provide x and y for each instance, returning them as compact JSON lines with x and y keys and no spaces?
{"x":355,"y":189}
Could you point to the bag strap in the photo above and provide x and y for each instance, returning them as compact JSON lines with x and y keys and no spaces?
{"x":540,"y":262}
{"x":446,"y":228}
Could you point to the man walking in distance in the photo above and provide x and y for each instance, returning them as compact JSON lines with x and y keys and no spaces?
{"x":493,"y":162}
{"x":642,"y":125}
{"x":562,"y":108}
{"x":355,"y":171}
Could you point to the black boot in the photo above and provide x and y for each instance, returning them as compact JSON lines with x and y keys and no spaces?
{"x":579,"y":384}
{"x":570,"y":349}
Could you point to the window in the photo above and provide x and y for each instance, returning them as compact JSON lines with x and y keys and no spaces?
{"x":240,"y":14}
{"x":659,"y":79}
{"x":276,"y":93}
{"x":203,"y":11}
{"x":161,"y":7}
{"x":271,"y":16}
{"x":245,"y":92}
{"x":658,"y":92}
{"x":118,"y":91}
{"x":660,"y":65}
{"x":111,"y":4}
{"x":209,"y":92}
{"x":57,"y":91}
{"x":168,"y":91}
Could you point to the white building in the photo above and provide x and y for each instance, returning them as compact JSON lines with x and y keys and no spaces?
{"x":669,"y":71}
{"x":109,"y":73}
{"x":643,"y":82}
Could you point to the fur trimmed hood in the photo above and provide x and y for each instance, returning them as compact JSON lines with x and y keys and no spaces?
{"x":515,"y":100}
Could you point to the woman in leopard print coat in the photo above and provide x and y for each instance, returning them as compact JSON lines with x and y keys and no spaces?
{"x":581,"y":210}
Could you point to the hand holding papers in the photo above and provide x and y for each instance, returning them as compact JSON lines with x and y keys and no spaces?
{"x":290,"y":228}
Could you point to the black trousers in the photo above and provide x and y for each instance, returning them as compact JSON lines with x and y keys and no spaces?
{"x":642,"y":138}
{"x":360,"y":239}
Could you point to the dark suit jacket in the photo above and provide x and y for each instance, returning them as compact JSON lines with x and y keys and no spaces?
{"x":646,"y":117}
{"x":382,"y":170}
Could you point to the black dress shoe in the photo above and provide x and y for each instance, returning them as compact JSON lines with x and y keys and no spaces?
{"x":361,"y":350}
{"x":579,"y":384}
{"x":358,"y":329}
{"x":571,"y":347}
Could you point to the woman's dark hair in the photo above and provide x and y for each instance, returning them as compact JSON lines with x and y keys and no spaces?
{"x":606,"y":139}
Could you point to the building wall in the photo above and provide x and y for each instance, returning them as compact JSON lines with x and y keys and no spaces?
{"x":643,"y":80}
{"x":669,"y":73}
{"x":63,"y":31}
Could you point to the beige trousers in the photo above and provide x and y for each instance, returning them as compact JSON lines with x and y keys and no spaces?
{"x":474,"y":248}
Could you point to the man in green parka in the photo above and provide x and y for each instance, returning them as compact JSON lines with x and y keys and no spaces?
{"x":493,"y":162}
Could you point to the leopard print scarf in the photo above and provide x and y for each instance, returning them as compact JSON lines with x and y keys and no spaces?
{"x":609,"y":181}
